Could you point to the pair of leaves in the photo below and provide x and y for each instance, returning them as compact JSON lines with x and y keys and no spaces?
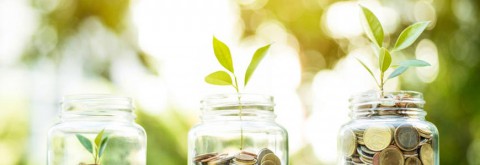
{"x":100,"y":143}
{"x":399,"y":69}
{"x":374,"y":31}
{"x":224,"y":57}
{"x":404,"y":65}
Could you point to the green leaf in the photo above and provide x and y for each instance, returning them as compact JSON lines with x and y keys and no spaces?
{"x":219,"y":78}
{"x":368,"y":69}
{"x":384,"y":60}
{"x":257,"y":57}
{"x":372,"y":27}
{"x":85,"y":143}
{"x":398,"y":71}
{"x":409,"y":35}
{"x":414,"y":63}
{"x":222,"y":52}
{"x":98,"y":139}
{"x":103,"y":144}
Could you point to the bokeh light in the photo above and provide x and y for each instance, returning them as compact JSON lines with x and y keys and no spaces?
{"x":158,"y":52}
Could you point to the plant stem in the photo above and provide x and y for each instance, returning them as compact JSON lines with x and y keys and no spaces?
{"x":240,"y":113}
{"x":381,"y":83}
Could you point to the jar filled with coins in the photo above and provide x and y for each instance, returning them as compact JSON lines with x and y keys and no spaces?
{"x":97,"y":129}
{"x":238,"y":129}
{"x":388,"y":129}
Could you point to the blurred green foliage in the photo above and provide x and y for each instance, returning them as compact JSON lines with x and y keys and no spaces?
{"x":452,"y":99}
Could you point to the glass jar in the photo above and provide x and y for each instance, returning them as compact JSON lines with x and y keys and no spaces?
{"x":83,"y":118}
{"x":388,"y":128}
{"x":238,"y":129}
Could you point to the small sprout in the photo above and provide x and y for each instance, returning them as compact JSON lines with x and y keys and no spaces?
{"x":374,"y":31}
{"x":100,"y":145}
{"x":228,"y":77}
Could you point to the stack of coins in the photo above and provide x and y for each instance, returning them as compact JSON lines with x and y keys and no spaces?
{"x":388,"y":144}
{"x":265,"y":157}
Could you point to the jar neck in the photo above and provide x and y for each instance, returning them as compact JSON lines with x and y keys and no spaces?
{"x":236,"y":107}
{"x":97,"y":108}
{"x":401,"y":104}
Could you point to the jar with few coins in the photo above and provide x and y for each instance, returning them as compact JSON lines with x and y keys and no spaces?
{"x":238,"y":129}
{"x":388,"y":129}
{"x":97,"y":129}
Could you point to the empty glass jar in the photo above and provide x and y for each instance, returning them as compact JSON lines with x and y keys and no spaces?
{"x":238,"y":129}
{"x":97,"y":129}
{"x":388,"y":128}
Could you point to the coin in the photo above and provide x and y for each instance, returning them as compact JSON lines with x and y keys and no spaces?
{"x":244,"y":162}
{"x":377,"y":138}
{"x":363,"y":153}
{"x":410,"y":153}
{"x":426,"y":154}
{"x":271,"y":157}
{"x":366,"y":160}
{"x":249,"y":153}
{"x":204,"y":156}
{"x":412,"y":161}
{"x":213,"y":158}
{"x":221,"y":161}
{"x":366,"y":150}
{"x":244,"y":157}
{"x":376,"y":159}
{"x":356,"y":159}
{"x":348,"y":143}
{"x":424,"y":132}
{"x":407,"y":137}
{"x":268,"y":162}
{"x":262,"y":154}
{"x":391,"y":156}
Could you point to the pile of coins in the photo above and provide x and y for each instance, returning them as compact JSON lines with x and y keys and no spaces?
{"x":388,"y":144}
{"x":264,"y":157}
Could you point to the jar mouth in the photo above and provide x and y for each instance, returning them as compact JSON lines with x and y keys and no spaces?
{"x":96,"y":103}
{"x":395,"y":103}
{"x":237,"y":101}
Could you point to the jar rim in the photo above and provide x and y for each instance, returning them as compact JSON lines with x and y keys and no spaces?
{"x":96,"y":102}
{"x":244,"y":97}
{"x":391,"y":103}
{"x":78,"y":97}
{"x":374,"y":95}
{"x":232,"y":101}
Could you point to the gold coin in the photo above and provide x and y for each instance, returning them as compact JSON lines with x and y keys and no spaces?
{"x":268,"y":162}
{"x":407,"y":137}
{"x":413,"y":161}
{"x":377,"y":138}
{"x":348,"y":143}
{"x":391,"y":156}
{"x":426,"y":154}
{"x":271,"y":157}
{"x":262,"y":154}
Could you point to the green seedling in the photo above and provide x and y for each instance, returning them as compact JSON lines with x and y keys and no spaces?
{"x":374,"y":31}
{"x":100,"y":144}
{"x":229,"y":77}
